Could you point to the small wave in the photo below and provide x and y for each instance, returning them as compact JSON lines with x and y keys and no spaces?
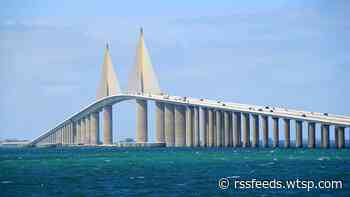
{"x":140,"y":177}
{"x":323,"y":158}
{"x":267,"y":164}
{"x":6,"y":182}
{"x":233,"y":177}
{"x":107,"y":160}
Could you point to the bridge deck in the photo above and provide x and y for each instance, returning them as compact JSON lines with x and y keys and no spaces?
{"x":316,"y":117}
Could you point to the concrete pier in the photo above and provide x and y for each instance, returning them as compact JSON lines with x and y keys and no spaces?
{"x":299,"y":134}
{"x":160,"y":114}
{"x":78,"y":132}
{"x":70,"y":133}
{"x":82,"y":130}
{"x":107,"y":125}
{"x":286,"y":133}
{"x":94,"y":127}
{"x":325,"y":136}
{"x":141,"y":121}
{"x":87,"y":129}
{"x":336,"y":136}
{"x":265,"y":129}
{"x":64,"y":135}
{"x":219,"y":133}
{"x":169,"y":126}
{"x":196,"y":138}
{"x":341,"y":137}
{"x":211,"y":128}
{"x":61,"y":134}
{"x":202,"y":126}
{"x":255,"y":141}
{"x":275,"y":132}
{"x":236,"y":120}
{"x":180,"y":126}
{"x":246,"y":130}
{"x":227,"y":137}
{"x":189,"y":127}
{"x":311,"y":135}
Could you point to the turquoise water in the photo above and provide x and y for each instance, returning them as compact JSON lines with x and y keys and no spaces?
{"x":164,"y":171}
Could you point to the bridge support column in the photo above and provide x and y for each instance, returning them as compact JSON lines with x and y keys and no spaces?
{"x":189,"y":127}
{"x":83,"y":131}
{"x":169,"y":125}
{"x":160,"y":135}
{"x":107,"y":125}
{"x":180,"y":126}
{"x":74,"y":137}
{"x":69,"y":130}
{"x":246,"y":130}
{"x":141,"y":121}
{"x":336,"y":136}
{"x":87,"y":129}
{"x":325,"y":136}
{"x":70,"y":141}
{"x":275,"y":131}
{"x":341,"y":137}
{"x":311,"y":135}
{"x":78,"y":127}
{"x":95,"y":127}
{"x":65,"y":134}
{"x":236,"y":121}
{"x":211,"y":128}
{"x":286,"y":133}
{"x":255,"y":142}
{"x":59,"y":136}
{"x":299,"y":134}
{"x":196,"y":140}
{"x":227,"y":129}
{"x":219,"y":133}
{"x":62,"y":135}
{"x":265,"y":128}
{"x":69,"y":133}
{"x":202,"y":129}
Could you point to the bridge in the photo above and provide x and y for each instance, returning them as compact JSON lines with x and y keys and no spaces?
{"x":186,"y":121}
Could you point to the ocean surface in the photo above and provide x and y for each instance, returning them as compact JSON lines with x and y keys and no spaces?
{"x":166,"y":172}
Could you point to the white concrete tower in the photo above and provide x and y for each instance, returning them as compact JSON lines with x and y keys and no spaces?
{"x":109,"y":86}
{"x":143,"y":80}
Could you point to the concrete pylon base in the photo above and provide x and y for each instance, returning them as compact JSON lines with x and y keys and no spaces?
{"x":141,"y":121}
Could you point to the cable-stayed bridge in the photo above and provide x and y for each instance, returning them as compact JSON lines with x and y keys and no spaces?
{"x":186,"y":121}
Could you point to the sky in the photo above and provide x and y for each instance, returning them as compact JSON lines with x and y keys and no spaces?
{"x":286,"y":53}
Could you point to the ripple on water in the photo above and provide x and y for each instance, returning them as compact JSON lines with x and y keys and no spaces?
{"x":323,"y":158}
{"x":234,"y":177}
{"x":267,"y":164}
{"x":6,"y":182}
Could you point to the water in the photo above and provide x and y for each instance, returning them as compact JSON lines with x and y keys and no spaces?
{"x":164,"y":171}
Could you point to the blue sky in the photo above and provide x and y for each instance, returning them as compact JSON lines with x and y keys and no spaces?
{"x":282,"y":53}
